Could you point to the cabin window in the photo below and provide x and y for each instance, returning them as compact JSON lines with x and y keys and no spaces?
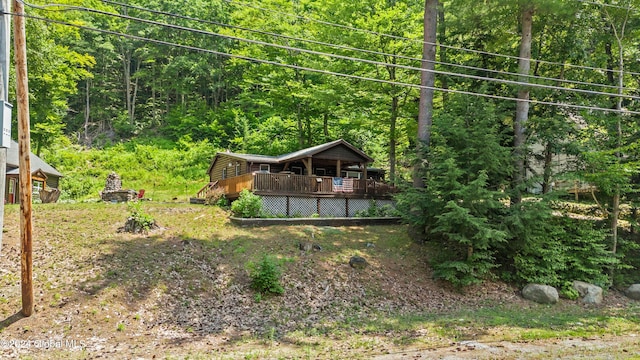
{"x":224,"y":173}
{"x":37,"y":185}
{"x":265,"y":168}
{"x":296,"y":170}
{"x":351,"y":174}
{"x":12,"y":184}
{"x":237,"y":169}
{"x":321,"y":171}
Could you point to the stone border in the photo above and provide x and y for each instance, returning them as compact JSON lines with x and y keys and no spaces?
{"x":315,"y":221}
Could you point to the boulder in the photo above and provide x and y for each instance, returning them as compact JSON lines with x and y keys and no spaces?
{"x":591,"y":294}
{"x":633,"y":292}
{"x":358,"y":262}
{"x":542,"y":294}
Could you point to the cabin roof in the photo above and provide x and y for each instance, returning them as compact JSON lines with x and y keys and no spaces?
{"x":296,"y":155}
{"x":304,"y":153}
{"x":37,"y":163}
{"x":251,"y":157}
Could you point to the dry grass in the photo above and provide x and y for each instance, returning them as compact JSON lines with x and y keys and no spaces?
{"x":183,"y":292}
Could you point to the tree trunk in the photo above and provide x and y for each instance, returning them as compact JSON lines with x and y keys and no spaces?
{"x":392,"y":138}
{"x":126,"y":67}
{"x":615,"y":213}
{"x":615,"y":203}
{"x":427,"y":80}
{"x":134,"y":96}
{"x":442,"y":33}
{"x":547,"y":169}
{"x":325,"y":126}
{"x":393,"y":119}
{"x":87,"y":113}
{"x":522,"y":106}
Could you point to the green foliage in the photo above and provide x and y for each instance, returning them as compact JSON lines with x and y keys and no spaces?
{"x":555,"y":250}
{"x":165,"y":170}
{"x":467,"y":234}
{"x":139,"y":220}
{"x":535,"y":253}
{"x":567,"y":290}
{"x":588,"y":256}
{"x":460,"y":210}
{"x":265,"y":276}
{"x":248,"y":205}
{"x":373,"y":210}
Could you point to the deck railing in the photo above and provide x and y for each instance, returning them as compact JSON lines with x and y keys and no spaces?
{"x":302,"y":184}
{"x":234,"y":185}
{"x":298,"y":184}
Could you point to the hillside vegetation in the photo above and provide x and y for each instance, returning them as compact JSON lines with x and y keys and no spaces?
{"x":166,"y":170}
{"x":185,"y":292}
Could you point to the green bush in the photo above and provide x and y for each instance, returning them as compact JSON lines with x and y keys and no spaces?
{"x":248,"y":205}
{"x":138,"y":221}
{"x":375,"y":211}
{"x":555,"y":250}
{"x":265,"y":276}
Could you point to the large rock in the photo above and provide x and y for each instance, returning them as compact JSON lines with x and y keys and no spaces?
{"x":633,"y":292}
{"x":591,"y":294}
{"x":358,"y":262}
{"x":543,"y":294}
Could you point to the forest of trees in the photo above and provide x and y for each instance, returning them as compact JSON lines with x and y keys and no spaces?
{"x":274,"y":76}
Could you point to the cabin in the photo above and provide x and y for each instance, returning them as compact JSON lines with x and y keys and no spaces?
{"x":43,"y":175}
{"x":303,"y":182}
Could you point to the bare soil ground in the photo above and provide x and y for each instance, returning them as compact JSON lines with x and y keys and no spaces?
{"x":184,"y":292}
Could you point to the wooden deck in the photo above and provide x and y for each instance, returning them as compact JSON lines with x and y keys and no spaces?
{"x":291,"y":184}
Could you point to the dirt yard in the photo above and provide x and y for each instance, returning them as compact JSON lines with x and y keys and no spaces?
{"x":184,"y":292}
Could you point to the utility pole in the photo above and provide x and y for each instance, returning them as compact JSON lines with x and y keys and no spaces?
{"x":5,"y":27}
{"x":24,"y":147}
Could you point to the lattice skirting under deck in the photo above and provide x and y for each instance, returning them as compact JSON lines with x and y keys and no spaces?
{"x":298,"y":206}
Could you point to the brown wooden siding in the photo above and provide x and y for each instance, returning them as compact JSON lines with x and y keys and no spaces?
{"x":222,"y":161}
{"x":53,"y":181}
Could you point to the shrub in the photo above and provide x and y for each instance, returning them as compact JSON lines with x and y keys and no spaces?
{"x":265,"y":276}
{"x":138,"y":221}
{"x":248,"y":205}
{"x":386,"y":210}
{"x":215,"y":197}
{"x":556,"y":250}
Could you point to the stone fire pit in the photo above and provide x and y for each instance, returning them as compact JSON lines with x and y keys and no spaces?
{"x":113,"y":191}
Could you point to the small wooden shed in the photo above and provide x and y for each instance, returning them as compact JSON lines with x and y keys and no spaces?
{"x":43,"y":175}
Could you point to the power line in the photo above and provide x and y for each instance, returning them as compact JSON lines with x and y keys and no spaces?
{"x":356,"y":49}
{"x":608,"y":5}
{"x":346,"y":27}
{"x":326,"y":72}
{"x":349,"y":58}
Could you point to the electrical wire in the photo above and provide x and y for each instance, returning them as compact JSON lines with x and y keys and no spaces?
{"x":346,"y":27}
{"x":349,"y":58}
{"x":325,"y":72}
{"x":608,"y":5}
{"x":343,"y":47}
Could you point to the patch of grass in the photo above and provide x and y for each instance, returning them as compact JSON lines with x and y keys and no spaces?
{"x":197,"y":263}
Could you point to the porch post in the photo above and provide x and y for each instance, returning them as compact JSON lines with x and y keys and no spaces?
{"x":366,"y":177}
{"x":308,"y":164}
{"x":338,"y":168}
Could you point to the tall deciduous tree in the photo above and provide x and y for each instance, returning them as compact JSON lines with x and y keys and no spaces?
{"x":427,"y":81}
{"x":522,"y":106}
